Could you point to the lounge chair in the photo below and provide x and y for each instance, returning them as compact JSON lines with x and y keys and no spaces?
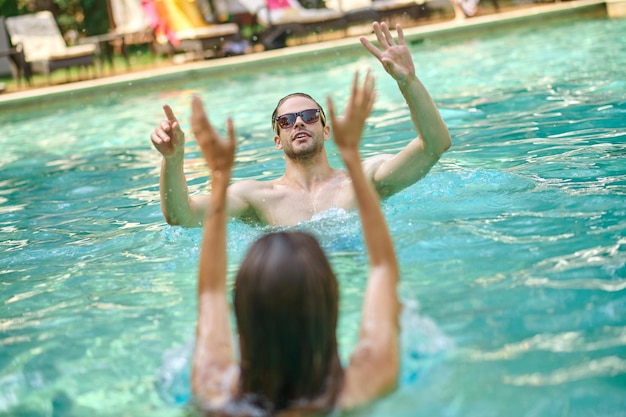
{"x":180,"y":27}
{"x":12,"y":60}
{"x":45,"y":49}
{"x":392,"y":11}
{"x":282,"y":19}
{"x":128,"y":20}
{"x":129,"y":26}
{"x":440,"y":8}
{"x":389,"y":11}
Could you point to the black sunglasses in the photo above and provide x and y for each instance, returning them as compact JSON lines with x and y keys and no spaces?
{"x":308,"y":116}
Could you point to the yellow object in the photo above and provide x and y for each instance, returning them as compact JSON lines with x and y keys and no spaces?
{"x":183,"y":15}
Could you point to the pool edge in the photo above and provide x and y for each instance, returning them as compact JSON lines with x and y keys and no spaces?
{"x":268,"y":59}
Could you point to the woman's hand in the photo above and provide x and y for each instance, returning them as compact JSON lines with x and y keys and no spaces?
{"x":218,"y":153}
{"x":348,"y":129}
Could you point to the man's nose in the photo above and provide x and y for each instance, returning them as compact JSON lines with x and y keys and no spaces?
{"x":299,"y":121}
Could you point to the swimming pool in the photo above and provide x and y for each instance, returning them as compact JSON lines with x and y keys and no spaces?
{"x":512,"y":250}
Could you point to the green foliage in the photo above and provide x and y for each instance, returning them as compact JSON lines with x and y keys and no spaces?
{"x":96,"y":17}
{"x":9,"y":8}
{"x":87,"y":17}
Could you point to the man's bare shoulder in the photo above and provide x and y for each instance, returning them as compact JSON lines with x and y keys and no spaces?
{"x":255,"y":192}
{"x":248,"y":185}
{"x":248,"y":188}
{"x":371,"y":164}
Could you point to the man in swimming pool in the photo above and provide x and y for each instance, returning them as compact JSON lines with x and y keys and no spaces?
{"x":310,"y":185}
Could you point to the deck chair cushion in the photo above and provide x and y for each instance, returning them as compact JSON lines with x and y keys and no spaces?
{"x":211,"y":31}
{"x":129,"y":16}
{"x":280,"y":12}
{"x":41,"y":38}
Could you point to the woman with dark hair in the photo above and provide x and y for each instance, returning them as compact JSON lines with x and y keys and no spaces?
{"x":286,"y":297}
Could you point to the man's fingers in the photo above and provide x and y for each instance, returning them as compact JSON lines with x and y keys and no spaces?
{"x":388,"y":65}
{"x":169,"y":113}
{"x":156,"y":139}
{"x":371,"y":47}
{"x":162,"y":132}
{"x":163,"y":136}
{"x":166,"y":126}
{"x":387,"y":33}
{"x":380,"y":35}
{"x":400,"y":34}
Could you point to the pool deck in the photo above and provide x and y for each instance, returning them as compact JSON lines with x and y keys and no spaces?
{"x":279,"y":57}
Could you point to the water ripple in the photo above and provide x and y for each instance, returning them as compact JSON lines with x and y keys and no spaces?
{"x":605,"y":367}
{"x":609,"y":337}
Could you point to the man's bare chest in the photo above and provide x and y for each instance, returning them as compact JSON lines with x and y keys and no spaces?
{"x":289,"y":206}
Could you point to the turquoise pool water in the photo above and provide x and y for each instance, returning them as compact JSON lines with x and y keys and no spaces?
{"x":513,"y":249}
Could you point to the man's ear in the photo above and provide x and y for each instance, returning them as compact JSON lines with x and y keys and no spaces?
{"x":326,"y":132}
{"x":277,"y":142}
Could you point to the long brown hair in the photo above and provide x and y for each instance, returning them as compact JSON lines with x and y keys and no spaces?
{"x":286,"y":305}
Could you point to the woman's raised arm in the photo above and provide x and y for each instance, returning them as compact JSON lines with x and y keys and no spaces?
{"x":213,"y":361}
{"x":374,"y":365}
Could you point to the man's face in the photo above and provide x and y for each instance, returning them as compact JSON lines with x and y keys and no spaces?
{"x":302,"y":140}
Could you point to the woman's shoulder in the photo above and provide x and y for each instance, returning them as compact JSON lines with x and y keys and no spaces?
{"x":371,"y":374}
{"x":219,"y":391}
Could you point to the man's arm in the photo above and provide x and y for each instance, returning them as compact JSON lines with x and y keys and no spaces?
{"x":178,"y":207}
{"x":394,"y":173}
